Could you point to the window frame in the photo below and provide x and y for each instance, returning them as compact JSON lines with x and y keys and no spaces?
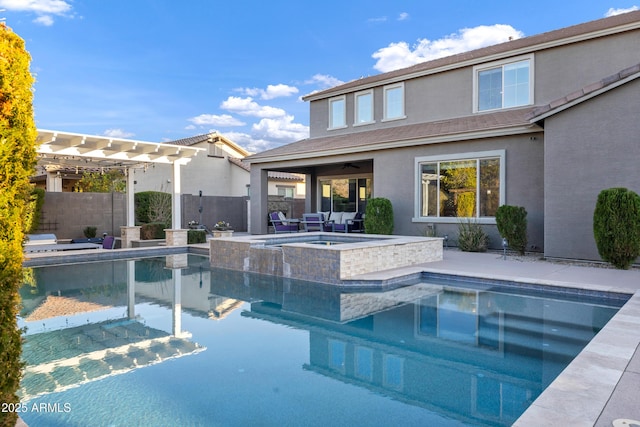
{"x":385,"y":91}
{"x":501,"y":64}
{"x":356,"y":104}
{"x":331,"y":102}
{"x":479,"y":155}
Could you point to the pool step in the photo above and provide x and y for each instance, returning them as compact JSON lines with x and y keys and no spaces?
{"x":526,"y":334}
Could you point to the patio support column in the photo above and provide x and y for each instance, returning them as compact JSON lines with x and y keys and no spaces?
{"x":259,"y":200}
{"x":131,"y":289}
{"x":129,"y":232}
{"x":176,"y":236}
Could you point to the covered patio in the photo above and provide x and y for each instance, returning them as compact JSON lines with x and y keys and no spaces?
{"x":80,"y":151}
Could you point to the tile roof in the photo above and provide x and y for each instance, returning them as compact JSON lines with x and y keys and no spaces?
{"x":585,"y":93}
{"x":239,"y":162}
{"x":193,"y":140}
{"x":525,"y":44}
{"x":285,"y":176}
{"x":381,"y":138}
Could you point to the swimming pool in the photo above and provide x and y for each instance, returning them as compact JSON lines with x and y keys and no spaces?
{"x":171,"y":341}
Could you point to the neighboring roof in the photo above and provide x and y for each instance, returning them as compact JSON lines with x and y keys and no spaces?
{"x":469,"y":127}
{"x":284,"y":176}
{"x":593,"y":29}
{"x":212,"y":137}
{"x":587,"y":92}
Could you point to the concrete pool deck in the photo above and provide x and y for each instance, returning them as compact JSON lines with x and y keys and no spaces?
{"x":603,"y":383}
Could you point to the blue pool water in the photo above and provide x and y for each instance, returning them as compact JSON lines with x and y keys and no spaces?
{"x":169,"y":341}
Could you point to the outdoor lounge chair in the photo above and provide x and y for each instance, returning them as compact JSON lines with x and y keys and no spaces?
{"x":281,"y":224}
{"x":109,"y":242}
{"x":313,"y":222}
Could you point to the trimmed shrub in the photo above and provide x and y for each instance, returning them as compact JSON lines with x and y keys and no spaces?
{"x":196,"y":236}
{"x":378,"y":217}
{"x":512,"y":225}
{"x":471,"y":237}
{"x":17,"y":162}
{"x":90,"y":231}
{"x":616,"y":226}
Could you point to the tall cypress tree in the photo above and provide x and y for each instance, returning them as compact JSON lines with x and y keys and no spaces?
{"x":17,"y":163}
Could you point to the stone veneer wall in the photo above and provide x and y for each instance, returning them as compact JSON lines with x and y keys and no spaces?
{"x":325,"y":264}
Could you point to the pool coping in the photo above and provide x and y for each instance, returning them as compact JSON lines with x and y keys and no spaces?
{"x":584,"y":390}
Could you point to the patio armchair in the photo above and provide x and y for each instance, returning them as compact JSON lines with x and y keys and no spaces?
{"x":281,"y":224}
{"x":345,"y":222}
{"x":313,"y":222}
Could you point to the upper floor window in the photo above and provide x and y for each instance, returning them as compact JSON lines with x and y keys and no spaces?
{"x":337,"y":113}
{"x":466,"y":185}
{"x":364,"y":107}
{"x":504,"y":84}
{"x":394,"y":102}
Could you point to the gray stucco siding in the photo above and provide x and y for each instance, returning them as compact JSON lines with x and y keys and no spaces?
{"x":590,"y":147}
{"x":394,"y":178}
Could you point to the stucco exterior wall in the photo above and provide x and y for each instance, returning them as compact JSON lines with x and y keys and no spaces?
{"x":558,"y":71}
{"x":394,"y":178}
{"x":588,"y":148}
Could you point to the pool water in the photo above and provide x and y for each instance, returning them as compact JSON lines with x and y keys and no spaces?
{"x":166,"y":341}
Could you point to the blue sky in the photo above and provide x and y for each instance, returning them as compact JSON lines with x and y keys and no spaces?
{"x":160,"y":70}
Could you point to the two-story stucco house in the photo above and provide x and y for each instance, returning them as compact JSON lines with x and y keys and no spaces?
{"x":545,"y":122}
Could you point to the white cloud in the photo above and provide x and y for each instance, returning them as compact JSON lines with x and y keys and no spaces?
{"x":224,"y":120}
{"x":400,"y":55}
{"x":45,"y":20}
{"x":248,"y":107}
{"x":324,"y":81}
{"x":282,"y":129}
{"x":403,"y":16}
{"x":272,"y":91}
{"x":613,"y":12}
{"x":118,"y":133}
{"x":43,"y":8}
{"x":379,"y":19}
{"x":56,"y":7}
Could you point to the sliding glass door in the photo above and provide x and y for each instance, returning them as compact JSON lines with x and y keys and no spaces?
{"x":344,"y":194}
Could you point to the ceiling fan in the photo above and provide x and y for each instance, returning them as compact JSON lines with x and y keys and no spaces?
{"x":350,"y":165}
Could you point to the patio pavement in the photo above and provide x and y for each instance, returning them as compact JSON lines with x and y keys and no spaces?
{"x":603,"y":383}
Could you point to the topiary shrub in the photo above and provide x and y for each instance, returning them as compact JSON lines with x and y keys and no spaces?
{"x":512,"y":225}
{"x":616,"y":226}
{"x":17,"y":162}
{"x":471,"y":237}
{"x":378,"y":218}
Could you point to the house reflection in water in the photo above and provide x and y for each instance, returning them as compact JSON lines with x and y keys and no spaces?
{"x":472,"y":354}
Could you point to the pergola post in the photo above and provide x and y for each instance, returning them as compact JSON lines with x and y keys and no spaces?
{"x":129,"y":232}
{"x":176,"y":236}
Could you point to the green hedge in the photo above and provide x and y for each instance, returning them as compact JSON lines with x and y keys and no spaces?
{"x":196,"y":236}
{"x":143,"y":201}
{"x":616,"y":226}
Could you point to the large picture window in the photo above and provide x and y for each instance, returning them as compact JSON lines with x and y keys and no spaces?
{"x":503,"y":85}
{"x":460,"y":186}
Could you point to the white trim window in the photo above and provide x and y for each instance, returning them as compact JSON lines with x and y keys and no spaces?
{"x":469,"y":185}
{"x":394,"y":102}
{"x":505,"y":84}
{"x":337,"y":112}
{"x":363,"y":108}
